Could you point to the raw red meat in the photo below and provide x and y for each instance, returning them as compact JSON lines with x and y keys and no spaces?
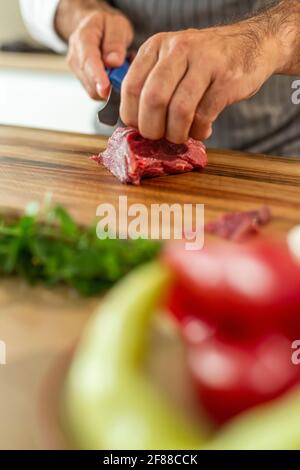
{"x":237,"y":226}
{"x":130,"y":157}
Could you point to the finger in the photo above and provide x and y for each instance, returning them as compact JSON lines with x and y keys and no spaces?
{"x":92,"y":67}
{"x":91,"y":90}
{"x":117,"y":38}
{"x":199,"y":132}
{"x":132,"y":86}
{"x":212,"y":104}
{"x":157,"y":92}
{"x":89,"y":85}
{"x":85,"y":57}
{"x":184,"y":104}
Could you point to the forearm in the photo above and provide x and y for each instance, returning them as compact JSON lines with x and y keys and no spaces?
{"x":70,"y":13}
{"x":280,"y":25}
{"x":289,"y":15}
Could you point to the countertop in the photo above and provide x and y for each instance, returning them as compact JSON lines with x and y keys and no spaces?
{"x":40,"y":325}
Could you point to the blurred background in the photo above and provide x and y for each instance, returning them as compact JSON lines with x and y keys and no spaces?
{"x":11,"y":24}
{"x":36,"y":88}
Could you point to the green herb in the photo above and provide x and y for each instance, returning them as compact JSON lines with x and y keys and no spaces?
{"x":57,"y":250}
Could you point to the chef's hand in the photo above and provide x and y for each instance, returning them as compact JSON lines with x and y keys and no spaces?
{"x":98,"y":37}
{"x":180,"y":82}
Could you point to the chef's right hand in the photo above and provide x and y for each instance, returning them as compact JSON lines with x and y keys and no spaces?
{"x":100,"y":39}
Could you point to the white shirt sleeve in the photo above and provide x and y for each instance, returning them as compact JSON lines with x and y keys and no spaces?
{"x":39,"y":16}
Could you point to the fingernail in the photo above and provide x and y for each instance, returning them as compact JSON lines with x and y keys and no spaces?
{"x":99,"y":90}
{"x":208,"y":133}
{"x":113,"y":57}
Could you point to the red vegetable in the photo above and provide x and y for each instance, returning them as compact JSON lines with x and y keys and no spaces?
{"x":241,"y":289}
{"x":239,"y":310}
{"x":231,"y":377}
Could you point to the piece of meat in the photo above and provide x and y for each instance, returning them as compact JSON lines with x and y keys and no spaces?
{"x":130,"y":157}
{"x":238,"y":226}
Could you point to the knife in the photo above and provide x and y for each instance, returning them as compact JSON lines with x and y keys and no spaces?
{"x":110,"y":113}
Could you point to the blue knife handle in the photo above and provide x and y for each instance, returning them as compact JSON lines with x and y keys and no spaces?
{"x":116,"y":76}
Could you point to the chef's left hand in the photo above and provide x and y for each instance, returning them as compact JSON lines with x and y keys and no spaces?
{"x":180,"y":82}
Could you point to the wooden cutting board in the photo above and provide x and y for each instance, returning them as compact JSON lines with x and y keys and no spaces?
{"x":36,"y":162}
{"x":40,"y":325}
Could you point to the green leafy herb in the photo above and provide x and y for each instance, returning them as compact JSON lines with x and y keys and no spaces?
{"x":57,"y":250}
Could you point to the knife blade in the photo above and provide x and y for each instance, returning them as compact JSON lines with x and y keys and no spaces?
{"x":110,"y":113}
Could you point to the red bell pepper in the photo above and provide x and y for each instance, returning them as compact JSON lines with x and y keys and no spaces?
{"x":239,"y":310}
{"x":243,"y":290}
{"x":231,"y":377}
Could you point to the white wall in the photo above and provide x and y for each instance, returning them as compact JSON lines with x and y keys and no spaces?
{"x":40,"y":99}
{"x":47,"y":100}
{"x":11,"y":25}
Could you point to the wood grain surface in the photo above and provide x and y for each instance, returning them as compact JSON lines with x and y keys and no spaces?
{"x":40,"y":62}
{"x":34,"y":163}
{"x":40,"y":325}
